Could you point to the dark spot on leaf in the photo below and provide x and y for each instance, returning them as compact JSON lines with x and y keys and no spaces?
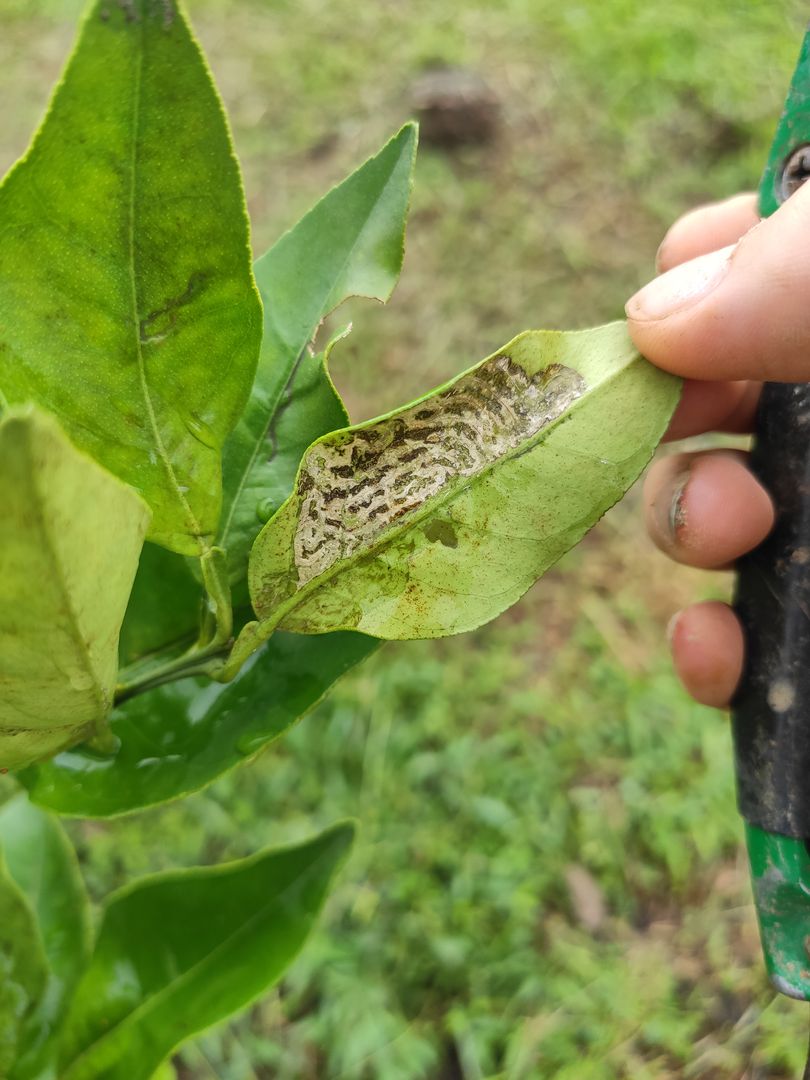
{"x":160,"y":322}
{"x":129,"y":9}
{"x":442,"y":532}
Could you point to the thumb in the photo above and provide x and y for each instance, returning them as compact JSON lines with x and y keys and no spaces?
{"x":742,"y":312}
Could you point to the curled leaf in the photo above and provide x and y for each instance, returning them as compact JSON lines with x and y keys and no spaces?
{"x":437,"y":517}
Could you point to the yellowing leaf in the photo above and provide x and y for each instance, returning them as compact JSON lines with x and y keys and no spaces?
{"x":70,"y":534}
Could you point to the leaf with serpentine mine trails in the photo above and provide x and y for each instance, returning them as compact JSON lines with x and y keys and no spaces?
{"x":70,"y":535}
{"x":437,"y":517}
{"x":127,"y":302}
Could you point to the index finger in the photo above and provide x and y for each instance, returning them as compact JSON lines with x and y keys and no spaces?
{"x":707,"y":228}
{"x":705,"y":406}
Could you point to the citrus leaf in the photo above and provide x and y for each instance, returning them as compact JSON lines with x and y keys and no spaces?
{"x":70,"y":534}
{"x":180,"y":951}
{"x":310,"y":407}
{"x":42,"y":862}
{"x":166,"y":1071}
{"x":164,"y":606}
{"x":350,"y":244}
{"x":179,"y":737}
{"x":439,"y":516}
{"x":127,"y":302}
{"x":23,"y":969}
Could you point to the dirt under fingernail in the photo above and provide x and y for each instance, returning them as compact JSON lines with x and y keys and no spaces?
{"x":676,"y":519}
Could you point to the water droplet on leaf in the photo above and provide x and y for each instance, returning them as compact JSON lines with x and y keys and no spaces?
{"x":265,"y":509}
{"x":250,"y":744}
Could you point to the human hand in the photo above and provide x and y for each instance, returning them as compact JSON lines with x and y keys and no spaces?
{"x":729,"y":310}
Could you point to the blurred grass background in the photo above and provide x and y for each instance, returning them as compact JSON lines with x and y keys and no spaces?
{"x":549,"y":881}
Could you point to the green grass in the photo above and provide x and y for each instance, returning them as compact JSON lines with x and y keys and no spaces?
{"x":483,"y":769}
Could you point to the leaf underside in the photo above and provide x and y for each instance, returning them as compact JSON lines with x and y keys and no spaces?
{"x":127,"y":303}
{"x":437,"y":517}
{"x":70,"y":535}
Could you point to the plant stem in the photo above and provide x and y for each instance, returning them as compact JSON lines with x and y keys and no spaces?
{"x":196,"y":661}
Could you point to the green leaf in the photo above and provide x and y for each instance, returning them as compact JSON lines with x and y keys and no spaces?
{"x":350,"y":244}
{"x":42,"y":862}
{"x":178,"y":952}
{"x":310,"y":407}
{"x":164,"y":605}
{"x":177,"y":738}
{"x":127,"y":303}
{"x":23,"y":970}
{"x":70,"y":535}
{"x":437,"y":517}
{"x":166,"y":1071}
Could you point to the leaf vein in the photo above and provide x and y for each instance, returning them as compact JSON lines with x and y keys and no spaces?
{"x":137,"y":94}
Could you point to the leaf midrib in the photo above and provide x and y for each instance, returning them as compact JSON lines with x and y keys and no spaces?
{"x":133,"y":277}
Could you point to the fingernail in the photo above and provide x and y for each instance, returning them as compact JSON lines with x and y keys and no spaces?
{"x":677,"y":507}
{"x":671,"y":512}
{"x":672,"y":626}
{"x":680,"y":287}
{"x":659,"y":255}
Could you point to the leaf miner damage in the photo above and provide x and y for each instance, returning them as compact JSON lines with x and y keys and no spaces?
{"x":437,"y":517}
{"x":353,"y":489}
